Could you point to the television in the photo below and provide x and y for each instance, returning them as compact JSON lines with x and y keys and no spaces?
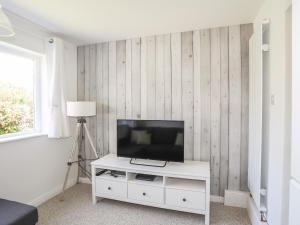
{"x":151,"y":139}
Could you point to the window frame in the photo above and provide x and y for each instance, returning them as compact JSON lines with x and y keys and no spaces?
{"x":37,"y":91}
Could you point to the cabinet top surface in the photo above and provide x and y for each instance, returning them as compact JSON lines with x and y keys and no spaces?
{"x":197,"y":169}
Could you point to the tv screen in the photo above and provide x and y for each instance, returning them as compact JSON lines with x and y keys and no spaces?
{"x":151,"y":139}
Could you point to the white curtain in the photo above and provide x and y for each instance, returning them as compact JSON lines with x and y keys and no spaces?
{"x":58,"y":126}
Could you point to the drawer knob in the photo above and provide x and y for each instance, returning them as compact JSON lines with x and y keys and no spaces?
{"x":184,"y":200}
{"x":144,"y":194}
{"x":109,"y":188}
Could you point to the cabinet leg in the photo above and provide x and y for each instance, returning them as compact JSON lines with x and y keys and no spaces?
{"x":94,"y":200}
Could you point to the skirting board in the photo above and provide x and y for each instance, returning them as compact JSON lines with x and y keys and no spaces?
{"x":50,"y":194}
{"x":253,"y":213}
{"x":218,"y":199}
{"x":236,"y":198}
{"x":84,"y":180}
{"x":213,"y":198}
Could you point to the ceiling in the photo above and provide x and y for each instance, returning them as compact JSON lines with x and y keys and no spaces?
{"x":91,"y":21}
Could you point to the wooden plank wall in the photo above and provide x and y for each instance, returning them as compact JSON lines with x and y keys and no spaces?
{"x":200,"y":77}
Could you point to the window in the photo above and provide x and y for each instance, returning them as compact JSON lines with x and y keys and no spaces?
{"x":19,"y":92}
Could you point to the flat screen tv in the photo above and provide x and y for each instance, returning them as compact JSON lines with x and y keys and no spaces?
{"x":151,"y":139}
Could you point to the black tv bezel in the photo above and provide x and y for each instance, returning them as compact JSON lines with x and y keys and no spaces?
{"x":181,"y":161}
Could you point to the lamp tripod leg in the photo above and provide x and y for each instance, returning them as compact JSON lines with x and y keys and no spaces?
{"x":90,"y":141}
{"x":80,"y":147}
{"x":74,"y":148}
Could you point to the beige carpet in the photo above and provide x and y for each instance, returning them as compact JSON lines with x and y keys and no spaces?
{"x":77,"y":209}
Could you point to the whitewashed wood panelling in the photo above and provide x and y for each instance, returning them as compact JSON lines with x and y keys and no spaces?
{"x":246,"y":32}
{"x":215,"y":122}
{"x":112,"y":97}
{"x":197,"y":94}
{"x":205,"y":85}
{"x":176,"y":76}
{"x":235,"y":109}
{"x":128,"y":88}
{"x":136,"y":78}
{"x":224,"y":90}
{"x":187,"y":77}
{"x":200,"y":77}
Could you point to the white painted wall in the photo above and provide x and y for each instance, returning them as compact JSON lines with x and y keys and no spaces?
{"x":276,"y":120}
{"x":32,"y":170}
{"x":288,"y":116}
{"x":294,"y":216}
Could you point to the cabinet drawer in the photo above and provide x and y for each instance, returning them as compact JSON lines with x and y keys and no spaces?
{"x":106,"y":188}
{"x":185,"y":199}
{"x":145,"y":193}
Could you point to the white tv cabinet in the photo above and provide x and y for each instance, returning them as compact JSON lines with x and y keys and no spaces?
{"x":178,"y":186}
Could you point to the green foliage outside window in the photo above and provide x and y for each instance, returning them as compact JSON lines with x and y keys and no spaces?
{"x":16,"y":109}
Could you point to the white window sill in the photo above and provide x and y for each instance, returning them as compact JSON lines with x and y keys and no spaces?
{"x":20,"y":137}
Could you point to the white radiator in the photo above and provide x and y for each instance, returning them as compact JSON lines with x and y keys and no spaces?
{"x":255,"y":116}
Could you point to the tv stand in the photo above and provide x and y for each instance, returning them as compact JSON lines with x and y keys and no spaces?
{"x":145,"y":177}
{"x":177,"y":186}
{"x":144,"y":163}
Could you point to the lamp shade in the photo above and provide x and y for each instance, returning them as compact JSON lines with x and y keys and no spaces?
{"x":6,"y":29}
{"x":81,"y":109}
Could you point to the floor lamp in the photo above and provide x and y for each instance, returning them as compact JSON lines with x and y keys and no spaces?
{"x":80,"y":110}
